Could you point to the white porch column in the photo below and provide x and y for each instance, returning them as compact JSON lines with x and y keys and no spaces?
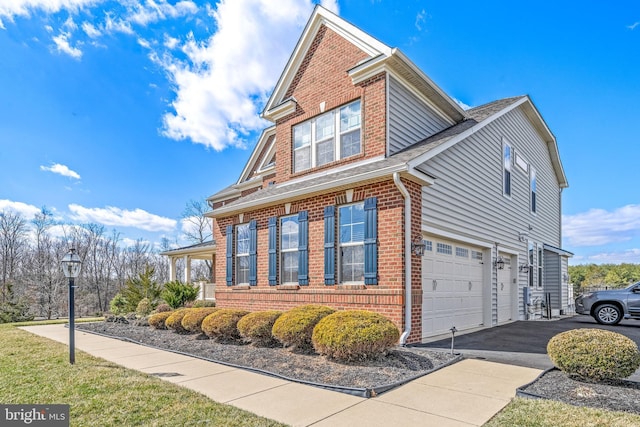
{"x":172,"y":269}
{"x":187,"y":269}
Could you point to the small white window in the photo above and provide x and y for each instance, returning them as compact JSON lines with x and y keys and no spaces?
{"x":507,"y":160}
{"x":462,"y":252}
{"x":533,"y":187}
{"x":443,"y":248}
{"x":476,"y":255}
{"x":540,"y":262}
{"x":428,"y":245}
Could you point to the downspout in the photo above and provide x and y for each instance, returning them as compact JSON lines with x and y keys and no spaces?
{"x":407,"y":258}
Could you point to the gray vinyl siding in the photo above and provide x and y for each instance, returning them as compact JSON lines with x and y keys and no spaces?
{"x":553,"y":278}
{"x":467,"y":197}
{"x":410,"y":119}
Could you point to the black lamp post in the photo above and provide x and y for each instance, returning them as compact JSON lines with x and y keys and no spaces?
{"x":71,"y":267}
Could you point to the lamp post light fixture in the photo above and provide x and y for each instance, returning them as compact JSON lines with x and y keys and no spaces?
{"x":71,"y":264}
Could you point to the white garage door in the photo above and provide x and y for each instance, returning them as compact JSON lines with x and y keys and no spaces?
{"x":452,"y":291}
{"x":505,"y":305}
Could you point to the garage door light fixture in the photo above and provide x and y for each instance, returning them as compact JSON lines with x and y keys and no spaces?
{"x":499,"y":263}
{"x":524,"y":268}
{"x":418,"y":246}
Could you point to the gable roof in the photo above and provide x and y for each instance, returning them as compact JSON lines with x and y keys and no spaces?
{"x":405,"y":162}
{"x":381,"y":58}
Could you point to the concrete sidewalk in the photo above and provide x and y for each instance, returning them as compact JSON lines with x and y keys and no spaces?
{"x":467,"y":393}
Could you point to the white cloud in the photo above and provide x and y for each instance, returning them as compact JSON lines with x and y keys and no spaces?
{"x":113,"y":216}
{"x":630,"y":256}
{"x":222,"y":86}
{"x":26,"y":210}
{"x":170,"y":42}
{"x":421,"y":18}
{"x":599,"y":227}
{"x":462,"y":104}
{"x":118,"y":25}
{"x":91,"y":30}
{"x":61,"y":170}
{"x":153,"y":11}
{"x":633,"y":26}
{"x":63,"y":46}
{"x":11,"y":8}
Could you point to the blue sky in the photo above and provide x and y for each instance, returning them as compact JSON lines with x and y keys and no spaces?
{"x":120,"y":112}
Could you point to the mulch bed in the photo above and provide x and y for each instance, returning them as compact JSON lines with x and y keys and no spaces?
{"x":613,"y":396}
{"x":397,"y":366}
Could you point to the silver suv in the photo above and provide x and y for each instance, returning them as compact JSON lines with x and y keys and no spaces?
{"x":610,"y":307}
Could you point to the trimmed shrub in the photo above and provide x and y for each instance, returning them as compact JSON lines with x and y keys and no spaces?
{"x":157,"y":320}
{"x":163,"y":307}
{"x":295,"y":327}
{"x":594,"y":354}
{"x":144,"y":307}
{"x":354,"y":335}
{"x":204,"y":303}
{"x":177,"y":294}
{"x":192,"y":321}
{"x":118,"y":305}
{"x":256,"y":327}
{"x":223,"y":324}
{"x":175,"y":320}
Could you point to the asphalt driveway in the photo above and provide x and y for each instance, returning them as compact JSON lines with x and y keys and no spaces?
{"x":524,"y":343}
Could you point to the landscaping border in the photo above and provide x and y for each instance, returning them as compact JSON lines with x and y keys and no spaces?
{"x":354,"y":391}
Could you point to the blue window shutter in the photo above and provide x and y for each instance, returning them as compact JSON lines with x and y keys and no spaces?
{"x":371,"y":241}
{"x":253,"y":253}
{"x":330,"y":245}
{"x":229,"y":255}
{"x":273,"y":244}
{"x":303,"y":248}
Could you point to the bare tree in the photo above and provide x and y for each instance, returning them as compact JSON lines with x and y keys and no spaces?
{"x":13,"y":242}
{"x":196,"y":227}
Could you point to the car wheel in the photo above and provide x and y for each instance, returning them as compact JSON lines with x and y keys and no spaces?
{"x":607,"y":314}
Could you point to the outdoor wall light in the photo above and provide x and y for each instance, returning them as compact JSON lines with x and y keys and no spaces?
{"x":524,"y":268}
{"x":71,"y":264}
{"x":499,"y":263}
{"x":418,"y":246}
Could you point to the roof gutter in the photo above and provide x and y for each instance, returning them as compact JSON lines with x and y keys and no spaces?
{"x":407,"y":258}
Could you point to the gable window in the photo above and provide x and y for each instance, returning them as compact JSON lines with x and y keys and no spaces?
{"x":331,"y":136}
{"x":533,"y":187}
{"x":506,"y":167}
{"x":351,"y":228}
{"x":289,"y":249}
{"x":242,"y":254}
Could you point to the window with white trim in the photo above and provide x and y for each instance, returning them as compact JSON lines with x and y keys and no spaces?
{"x":507,"y":161}
{"x":289,"y":249}
{"x":540,"y":265}
{"x":476,"y":255}
{"x":428,"y":245}
{"x":443,"y":248}
{"x":462,"y":252}
{"x":533,"y":186}
{"x":331,"y":136}
{"x":351,"y":229}
{"x":531,"y":260}
{"x":242,"y":254}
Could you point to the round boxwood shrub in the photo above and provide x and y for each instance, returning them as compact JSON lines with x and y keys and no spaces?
{"x":157,"y":320}
{"x":175,"y":320}
{"x":295,"y":327}
{"x":354,"y":335}
{"x":163,"y":307}
{"x":223,"y":324}
{"x":256,"y":327}
{"x":594,"y":354}
{"x":192,"y":320}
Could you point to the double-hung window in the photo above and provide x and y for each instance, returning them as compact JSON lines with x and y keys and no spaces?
{"x":351,"y":229}
{"x":540,"y":265}
{"x":289,"y":249}
{"x":242,"y":254}
{"x":506,"y":167}
{"x":331,"y":136}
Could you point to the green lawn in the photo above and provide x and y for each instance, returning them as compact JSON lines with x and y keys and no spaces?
{"x":547,"y":413}
{"x":35,"y":370}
